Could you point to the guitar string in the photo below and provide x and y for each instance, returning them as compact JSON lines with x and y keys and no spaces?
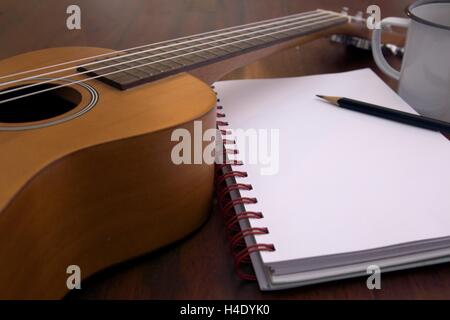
{"x":300,"y":23}
{"x":198,"y":37}
{"x":147,"y":45}
{"x":158,"y":61}
{"x":141,"y":65}
{"x":144,"y":51}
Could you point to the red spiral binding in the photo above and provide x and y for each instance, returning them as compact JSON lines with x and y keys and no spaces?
{"x":238,"y":186}
{"x":232,"y":223}
{"x":231,"y":204}
{"x":220,"y":167}
{"x":222,"y":123}
{"x":236,"y":236}
{"x":231,"y":174}
{"x":244,"y":257}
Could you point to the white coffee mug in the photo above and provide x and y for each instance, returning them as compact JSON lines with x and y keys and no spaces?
{"x":425,"y":73}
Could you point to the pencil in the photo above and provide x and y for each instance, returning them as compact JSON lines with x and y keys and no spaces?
{"x":390,"y":114}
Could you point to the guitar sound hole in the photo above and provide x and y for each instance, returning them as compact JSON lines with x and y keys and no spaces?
{"x":38,"y":107}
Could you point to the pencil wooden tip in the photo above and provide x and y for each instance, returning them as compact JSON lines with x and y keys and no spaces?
{"x":333,"y":100}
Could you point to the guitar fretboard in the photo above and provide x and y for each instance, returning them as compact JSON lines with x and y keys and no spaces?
{"x":136,"y":67}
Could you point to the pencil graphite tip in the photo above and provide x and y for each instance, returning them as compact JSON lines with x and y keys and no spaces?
{"x":332,"y":100}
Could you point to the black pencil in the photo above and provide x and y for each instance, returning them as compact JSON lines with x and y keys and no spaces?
{"x":390,"y":114}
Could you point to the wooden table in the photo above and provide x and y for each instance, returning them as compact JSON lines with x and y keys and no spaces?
{"x":200,"y":266}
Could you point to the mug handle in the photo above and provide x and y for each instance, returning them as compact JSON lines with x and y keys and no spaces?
{"x":376,"y":45}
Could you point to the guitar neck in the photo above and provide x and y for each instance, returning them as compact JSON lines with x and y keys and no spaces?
{"x":160,"y":60}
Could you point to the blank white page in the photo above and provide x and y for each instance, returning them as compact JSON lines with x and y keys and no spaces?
{"x":347,"y":181}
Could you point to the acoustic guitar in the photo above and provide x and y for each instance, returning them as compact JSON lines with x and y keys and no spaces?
{"x":85,"y":138}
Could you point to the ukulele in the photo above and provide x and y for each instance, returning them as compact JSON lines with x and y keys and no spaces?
{"x":85,"y":139}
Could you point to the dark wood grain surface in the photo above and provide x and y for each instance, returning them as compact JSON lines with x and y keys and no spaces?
{"x":200,"y":266}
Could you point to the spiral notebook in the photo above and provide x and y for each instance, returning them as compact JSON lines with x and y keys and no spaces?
{"x":349,"y":190}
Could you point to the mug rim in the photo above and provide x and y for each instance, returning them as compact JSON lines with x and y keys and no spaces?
{"x":416,"y":4}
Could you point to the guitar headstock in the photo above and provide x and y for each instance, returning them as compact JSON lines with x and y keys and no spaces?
{"x":358,"y":18}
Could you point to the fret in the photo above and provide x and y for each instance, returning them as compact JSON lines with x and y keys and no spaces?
{"x":218,"y":51}
{"x":190,"y":55}
{"x":206,"y":41}
{"x":155,"y":55}
{"x":109,"y":64}
{"x":107,"y":69}
{"x":186,"y":41}
{"x":290,"y":32}
{"x":182,"y":60}
{"x":150,"y":70}
{"x":167,"y":55}
{"x":278,"y":36}
{"x":161,"y":66}
{"x":137,"y":73}
{"x":151,"y":64}
{"x":255,"y":41}
{"x":268,"y":38}
{"x":202,"y":55}
{"x":175,"y":57}
{"x":125,"y":61}
{"x":205,"y":54}
{"x":242,"y":44}
{"x":157,"y":61}
{"x":201,"y":43}
{"x":187,"y":50}
{"x":172,"y":63}
{"x":132,"y":71}
{"x":183,"y":46}
{"x":224,"y":45}
{"x":204,"y":46}
{"x":148,"y":60}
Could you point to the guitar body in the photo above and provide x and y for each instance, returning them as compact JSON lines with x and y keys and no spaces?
{"x":100,"y":188}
